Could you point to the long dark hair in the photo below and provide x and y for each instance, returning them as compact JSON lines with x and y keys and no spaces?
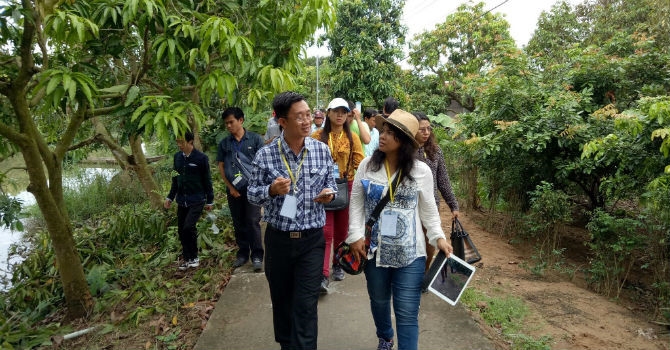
{"x":430,"y":146}
{"x":327,"y":128}
{"x":406,"y":154}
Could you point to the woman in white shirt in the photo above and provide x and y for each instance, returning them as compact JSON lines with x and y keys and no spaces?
{"x":397,"y":249}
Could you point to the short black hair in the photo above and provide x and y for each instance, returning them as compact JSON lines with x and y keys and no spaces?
{"x":234,"y":111}
{"x":188,"y":136}
{"x":390,"y":105}
{"x":283,"y":102}
{"x":369,"y":113}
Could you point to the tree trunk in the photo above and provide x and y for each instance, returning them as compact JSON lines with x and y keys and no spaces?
{"x":143,"y":172}
{"x":38,"y":155}
{"x":136,"y":161}
{"x":50,"y":201}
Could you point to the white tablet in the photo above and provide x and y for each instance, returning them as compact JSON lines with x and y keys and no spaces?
{"x":450,"y":277}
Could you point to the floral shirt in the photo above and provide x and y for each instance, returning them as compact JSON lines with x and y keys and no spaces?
{"x":340,"y":149}
{"x":442,"y":183}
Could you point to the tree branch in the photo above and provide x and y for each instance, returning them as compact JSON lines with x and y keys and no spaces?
{"x":68,"y":136}
{"x":84,"y":143}
{"x":11,"y":134}
{"x":102,"y":111}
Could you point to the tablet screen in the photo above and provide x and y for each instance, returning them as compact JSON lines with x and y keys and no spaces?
{"x":451,"y":278}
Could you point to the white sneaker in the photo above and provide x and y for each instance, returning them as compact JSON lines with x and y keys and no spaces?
{"x":194,"y":263}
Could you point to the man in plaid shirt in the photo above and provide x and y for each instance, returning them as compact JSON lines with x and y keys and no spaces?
{"x":292,"y":177}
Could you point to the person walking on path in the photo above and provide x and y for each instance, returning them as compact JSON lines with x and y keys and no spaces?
{"x":430,"y":153}
{"x":318,"y":121}
{"x":390,"y":105}
{"x":347,"y":152}
{"x":396,"y":253}
{"x":370,"y":117}
{"x":192,"y":190}
{"x":234,"y":155}
{"x":291,"y":178}
{"x":358,"y":126}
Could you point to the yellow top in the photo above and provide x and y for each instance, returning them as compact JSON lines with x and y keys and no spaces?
{"x":339,"y":148}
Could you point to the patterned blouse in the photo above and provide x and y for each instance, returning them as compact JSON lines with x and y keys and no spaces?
{"x":441,"y":177}
{"x":397,"y":236}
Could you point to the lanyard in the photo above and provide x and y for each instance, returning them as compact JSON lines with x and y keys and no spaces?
{"x":388,"y":178}
{"x":294,"y":178}
{"x":330,"y":142}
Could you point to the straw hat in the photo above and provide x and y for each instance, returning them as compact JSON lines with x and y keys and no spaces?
{"x":406,"y":122}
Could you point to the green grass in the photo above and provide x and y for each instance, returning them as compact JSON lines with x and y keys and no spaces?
{"x":506,"y":314}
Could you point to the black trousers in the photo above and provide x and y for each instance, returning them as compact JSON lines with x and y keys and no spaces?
{"x":187,"y":218}
{"x":293,"y":267}
{"x":246,"y":222}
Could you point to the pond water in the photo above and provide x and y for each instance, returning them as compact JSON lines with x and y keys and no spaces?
{"x":9,"y":237}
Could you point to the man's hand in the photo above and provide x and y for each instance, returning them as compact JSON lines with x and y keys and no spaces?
{"x":280,"y":186}
{"x":167,"y":204}
{"x":208,"y":207}
{"x":325,"y":196}
{"x":234,"y":192}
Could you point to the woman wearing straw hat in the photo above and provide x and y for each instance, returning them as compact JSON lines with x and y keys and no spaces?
{"x":397,"y":249}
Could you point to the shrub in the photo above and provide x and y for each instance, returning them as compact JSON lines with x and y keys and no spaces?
{"x":615,"y":243}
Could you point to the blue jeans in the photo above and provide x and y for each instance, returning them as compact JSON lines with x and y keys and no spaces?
{"x":404,"y":284}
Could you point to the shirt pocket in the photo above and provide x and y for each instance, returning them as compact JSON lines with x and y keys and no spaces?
{"x":317,"y":176}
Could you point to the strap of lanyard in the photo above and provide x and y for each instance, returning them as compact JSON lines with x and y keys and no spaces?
{"x":390,"y":181}
{"x":330,"y":142}
{"x":294,"y":178}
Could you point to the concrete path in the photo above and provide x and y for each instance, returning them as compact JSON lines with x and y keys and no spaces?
{"x":243,"y":319}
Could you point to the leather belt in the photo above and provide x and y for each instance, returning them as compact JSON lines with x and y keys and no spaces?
{"x":294,"y":234}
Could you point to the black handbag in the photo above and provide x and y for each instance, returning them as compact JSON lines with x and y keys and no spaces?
{"x":343,"y":254}
{"x":462,"y":244}
{"x":341,"y":201}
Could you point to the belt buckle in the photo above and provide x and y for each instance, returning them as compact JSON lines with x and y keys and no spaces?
{"x":295,"y":234}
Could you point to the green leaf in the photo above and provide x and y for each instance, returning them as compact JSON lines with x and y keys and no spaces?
{"x":133,"y":93}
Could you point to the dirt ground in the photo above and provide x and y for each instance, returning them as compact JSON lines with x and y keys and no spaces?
{"x":574,"y":317}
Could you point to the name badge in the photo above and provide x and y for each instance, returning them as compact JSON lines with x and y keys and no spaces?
{"x":237,"y":180}
{"x":389,"y":221}
{"x":290,"y":207}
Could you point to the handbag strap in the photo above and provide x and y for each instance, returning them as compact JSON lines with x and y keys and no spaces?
{"x":457,"y":229}
{"x":382,"y":203}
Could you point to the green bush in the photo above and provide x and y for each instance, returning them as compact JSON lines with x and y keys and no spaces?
{"x":616,"y":242}
{"x":548,"y":214}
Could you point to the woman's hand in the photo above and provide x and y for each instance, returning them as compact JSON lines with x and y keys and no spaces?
{"x":445,"y":246}
{"x":358,"y":249}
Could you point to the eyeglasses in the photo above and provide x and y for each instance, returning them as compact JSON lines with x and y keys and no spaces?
{"x":304,"y":119}
{"x":426,"y":129}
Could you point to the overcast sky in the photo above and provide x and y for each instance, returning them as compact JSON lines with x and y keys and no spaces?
{"x":422,"y":15}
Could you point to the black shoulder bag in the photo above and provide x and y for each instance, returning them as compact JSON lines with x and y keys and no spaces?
{"x":343,"y":254}
{"x":341,"y":201}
